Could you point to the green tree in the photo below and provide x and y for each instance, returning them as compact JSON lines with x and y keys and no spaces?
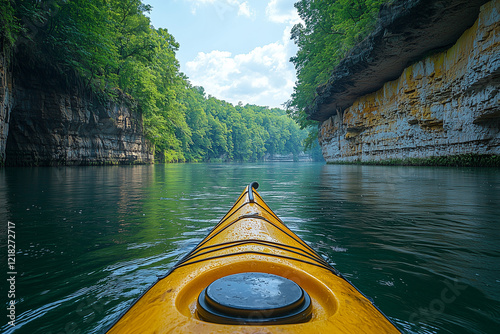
{"x":330,"y":30}
{"x":9,"y":25}
{"x":110,"y":47}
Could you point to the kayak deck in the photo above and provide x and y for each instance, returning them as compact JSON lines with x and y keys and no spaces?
{"x":252,"y":239}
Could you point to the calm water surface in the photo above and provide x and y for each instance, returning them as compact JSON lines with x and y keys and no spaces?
{"x":422,"y":242}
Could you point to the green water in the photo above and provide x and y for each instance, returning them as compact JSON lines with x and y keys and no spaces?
{"x":424,"y":243}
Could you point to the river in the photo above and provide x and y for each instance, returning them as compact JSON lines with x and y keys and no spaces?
{"x":423,"y":242}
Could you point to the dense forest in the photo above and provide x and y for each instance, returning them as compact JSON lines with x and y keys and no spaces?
{"x":328,"y":32}
{"x":112,"y":49}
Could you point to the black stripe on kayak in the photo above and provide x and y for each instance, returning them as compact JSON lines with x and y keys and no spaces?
{"x":258,"y":242}
{"x":313,"y":255}
{"x":269,"y":211}
{"x":292,"y":236}
{"x":331,"y":269}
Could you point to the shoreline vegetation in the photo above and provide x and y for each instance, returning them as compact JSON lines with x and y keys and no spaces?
{"x":111,"y":49}
{"x":460,"y":160}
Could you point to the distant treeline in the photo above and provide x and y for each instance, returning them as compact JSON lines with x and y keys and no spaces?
{"x":217,"y":130}
{"x":111,"y":47}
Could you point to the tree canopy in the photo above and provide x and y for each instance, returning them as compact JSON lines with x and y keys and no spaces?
{"x":329,"y":30}
{"x":111,"y":47}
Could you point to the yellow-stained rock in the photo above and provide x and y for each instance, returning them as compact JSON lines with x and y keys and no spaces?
{"x":445,"y":104}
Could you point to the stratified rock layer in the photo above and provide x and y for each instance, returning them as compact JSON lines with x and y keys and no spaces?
{"x":445,"y":104}
{"x":5,"y":104}
{"x":53,"y":122}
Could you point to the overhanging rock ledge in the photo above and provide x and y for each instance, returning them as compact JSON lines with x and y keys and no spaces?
{"x":406,"y":31}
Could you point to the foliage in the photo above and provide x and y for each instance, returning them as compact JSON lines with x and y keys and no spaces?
{"x":8,"y":25}
{"x":223,"y":132}
{"x":461,"y":160}
{"x":329,"y":31}
{"x":112,"y":48}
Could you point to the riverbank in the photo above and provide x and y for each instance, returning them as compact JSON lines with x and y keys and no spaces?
{"x":461,"y":160}
{"x":441,"y":104}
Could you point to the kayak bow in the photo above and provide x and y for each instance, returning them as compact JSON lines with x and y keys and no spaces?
{"x":251,"y":274}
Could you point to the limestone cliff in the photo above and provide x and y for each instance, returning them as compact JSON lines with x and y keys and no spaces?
{"x":5,"y":104}
{"x":45,"y":120}
{"x":442,"y":104}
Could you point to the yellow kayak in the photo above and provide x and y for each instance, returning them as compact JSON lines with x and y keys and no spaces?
{"x":251,"y":274}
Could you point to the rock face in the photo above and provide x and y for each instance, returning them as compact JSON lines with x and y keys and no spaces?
{"x":54,"y":123}
{"x":443,"y":104}
{"x":5,"y":104}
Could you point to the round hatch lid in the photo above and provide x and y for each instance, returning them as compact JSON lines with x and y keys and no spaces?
{"x":254,"y":298}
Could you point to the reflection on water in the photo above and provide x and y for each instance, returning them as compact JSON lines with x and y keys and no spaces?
{"x":422,"y":242}
{"x":427,"y":236}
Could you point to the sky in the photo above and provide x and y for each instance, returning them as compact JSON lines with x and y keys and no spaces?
{"x":237,"y":50}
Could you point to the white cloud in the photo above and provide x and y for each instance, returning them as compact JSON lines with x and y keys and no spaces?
{"x":244,"y":10}
{"x":224,"y":7}
{"x":282,"y":11}
{"x":263,"y":76}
